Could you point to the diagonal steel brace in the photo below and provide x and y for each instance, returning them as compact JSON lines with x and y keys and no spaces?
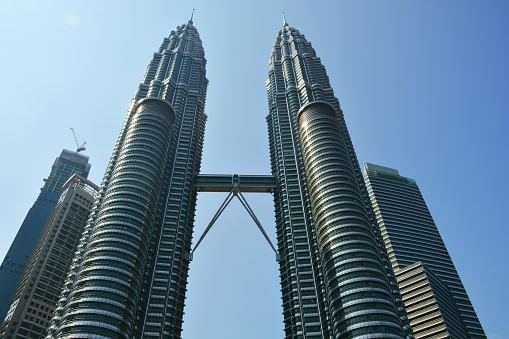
{"x":234,"y":193}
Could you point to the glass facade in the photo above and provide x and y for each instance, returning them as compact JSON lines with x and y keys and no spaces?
{"x":38,"y":291}
{"x":67,"y":164}
{"x":411,"y":236}
{"x":16,"y":259}
{"x":130,"y":273}
{"x":335,"y":276}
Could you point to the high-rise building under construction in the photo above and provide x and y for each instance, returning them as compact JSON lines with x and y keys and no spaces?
{"x":16,"y":259}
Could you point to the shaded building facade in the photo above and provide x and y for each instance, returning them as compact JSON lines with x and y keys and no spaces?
{"x":38,"y":291}
{"x":16,"y":259}
{"x":419,"y":256}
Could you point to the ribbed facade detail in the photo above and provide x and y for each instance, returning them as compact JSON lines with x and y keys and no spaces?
{"x":181,"y":71}
{"x":303,"y":293}
{"x":130,"y":273}
{"x":429,"y":303}
{"x":411,"y":236}
{"x":360,"y":299}
{"x":297,"y":78}
{"x":108,"y":281}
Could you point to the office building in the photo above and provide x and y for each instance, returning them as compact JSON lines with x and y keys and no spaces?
{"x":335,"y":276}
{"x":130,"y":273}
{"x":38,"y":291}
{"x":16,"y":259}
{"x":419,"y":257}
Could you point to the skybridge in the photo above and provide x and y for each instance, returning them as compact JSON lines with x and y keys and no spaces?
{"x":244,"y":183}
{"x":235,"y":184}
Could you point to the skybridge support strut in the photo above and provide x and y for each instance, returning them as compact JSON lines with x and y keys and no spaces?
{"x":249,"y":210}
{"x":223,"y":206}
{"x":218,"y":184}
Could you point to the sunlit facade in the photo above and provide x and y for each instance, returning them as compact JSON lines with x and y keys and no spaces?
{"x":430,"y":305}
{"x":336,"y":279}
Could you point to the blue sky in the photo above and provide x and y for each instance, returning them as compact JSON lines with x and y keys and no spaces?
{"x":423,"y":85}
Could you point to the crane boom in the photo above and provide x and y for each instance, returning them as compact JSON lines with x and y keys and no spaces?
{"x":79,"y":148}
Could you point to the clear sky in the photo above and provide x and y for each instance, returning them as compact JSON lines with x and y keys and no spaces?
{"x":423,"y":85}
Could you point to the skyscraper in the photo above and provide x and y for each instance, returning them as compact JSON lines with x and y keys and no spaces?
{"x":130,"y":273}
{"x":23,"y":245}
{"x":38,"y":291}
{"x":335,"y":276}
{"x":419,"y":256}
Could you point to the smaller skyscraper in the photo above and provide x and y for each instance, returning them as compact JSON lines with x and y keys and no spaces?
{"x":17,"y":257}
{"x":38,"y":291}
{"x":431,"y":288}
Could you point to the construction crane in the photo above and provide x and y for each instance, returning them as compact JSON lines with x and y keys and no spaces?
{"x":80,"y":148}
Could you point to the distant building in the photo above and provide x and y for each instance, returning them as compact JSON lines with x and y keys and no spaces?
{"x":435,"y":299}
{"x":39,"y":289}
{"x":14,"y":263}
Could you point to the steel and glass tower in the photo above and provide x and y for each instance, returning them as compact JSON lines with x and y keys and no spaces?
{"x":129,"y":277}
{"x":14,"y":263}
{"x":411,"y":237}
{"x":335,"y":276}
{"x":38,"y":291}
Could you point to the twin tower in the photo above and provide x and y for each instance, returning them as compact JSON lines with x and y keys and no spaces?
{"x":129,"y":277}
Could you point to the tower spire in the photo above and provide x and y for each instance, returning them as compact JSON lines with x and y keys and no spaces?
{"x":192,"y":14}
{"x":284,"y":19}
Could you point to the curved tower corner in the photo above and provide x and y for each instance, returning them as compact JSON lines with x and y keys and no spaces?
{"x":129,"y":277}
{"x":335,"y":276}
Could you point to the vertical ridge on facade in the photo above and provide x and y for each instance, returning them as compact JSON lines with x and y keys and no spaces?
{"x":130,"y":273}
{"x":313,"y":297}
